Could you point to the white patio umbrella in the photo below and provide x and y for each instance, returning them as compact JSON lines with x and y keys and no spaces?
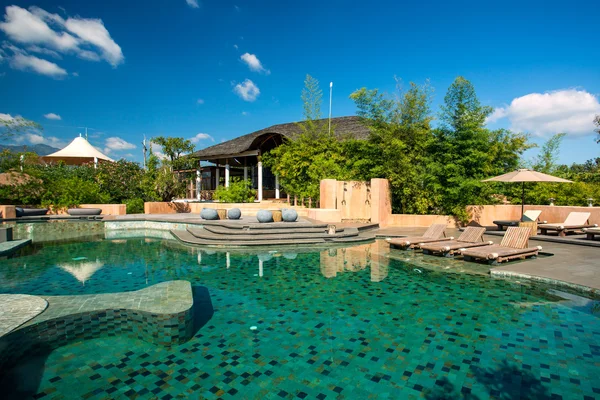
{"x":82,"y":270}
{"x":78,"y":152}
{"x":525,"y":175}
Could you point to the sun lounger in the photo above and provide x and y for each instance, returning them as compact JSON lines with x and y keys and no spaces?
{"x":514,"y":245}
{"x":529,"y":215}
{"x":575,"y":221}
{"x":434,"y":233}
{"x":591,"y":232}
{"x":471,"y":237}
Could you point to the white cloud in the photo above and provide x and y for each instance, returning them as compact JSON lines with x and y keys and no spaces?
{"x":48,"y":33}
{"x":93,"y":31}
{"x":201,"y":136}
{"x":237,"y":8}
{"x":52,"y":116}
{"x":29,"y":28}
{"x":247,"y":90}
{"x":200,"y":101}
{"x":254,"y":63}
{"x":36,"y":138}
{"x":117,"y":144}
{"x":41,"y":50}
{"x":6,"y":117}
{"x":193,"y":3}
{"x":235,"y":46}
{"x":570,"y":110}
{"x":31,"y":63}
{"x":245,"y":113}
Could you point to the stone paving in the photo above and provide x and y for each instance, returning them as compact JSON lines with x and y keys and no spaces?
{"x":7,"y":248}
{"x":17,"y":309}
{"x":570,"y":265}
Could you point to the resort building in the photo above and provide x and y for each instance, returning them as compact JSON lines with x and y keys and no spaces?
{"x":241,"y":157}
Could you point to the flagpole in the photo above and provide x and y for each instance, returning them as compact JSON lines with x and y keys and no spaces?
{"x":330,"y":95}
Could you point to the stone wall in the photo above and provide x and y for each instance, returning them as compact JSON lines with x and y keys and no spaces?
{"x":486,"y":215}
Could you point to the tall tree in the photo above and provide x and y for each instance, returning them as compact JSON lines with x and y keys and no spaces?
{"x":465,"y":151}
{"x":175,"y":148}
{"x":547,"y":159}
{"x":10,"y":126}
{"x":396,"y":150}
{"x":597,"y":123}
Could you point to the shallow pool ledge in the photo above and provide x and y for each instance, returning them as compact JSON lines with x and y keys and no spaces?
{"x":160,"y":314}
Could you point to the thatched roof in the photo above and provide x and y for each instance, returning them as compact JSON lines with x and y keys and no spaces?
{"x":345,"y":127}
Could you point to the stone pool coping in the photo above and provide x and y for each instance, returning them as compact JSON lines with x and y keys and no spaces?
{"x":17,"y":309}
{"x":160,"y":314}
{"x":572,"y":266}
{"x":7,"y":248}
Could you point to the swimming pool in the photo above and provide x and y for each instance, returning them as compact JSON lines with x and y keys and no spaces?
{"x":353,"y":322}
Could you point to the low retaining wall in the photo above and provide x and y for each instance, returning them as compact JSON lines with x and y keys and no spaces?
{"x":249,"y":209}
{"x":419,"y":220}
{"x":486,"y":215}
{"x":8,"y":212}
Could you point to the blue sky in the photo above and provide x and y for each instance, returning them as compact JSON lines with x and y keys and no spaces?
{"x":216,"y":69}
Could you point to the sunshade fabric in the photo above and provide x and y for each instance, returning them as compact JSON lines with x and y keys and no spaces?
{"x":78,"y":151}
{"x":526,"y":175}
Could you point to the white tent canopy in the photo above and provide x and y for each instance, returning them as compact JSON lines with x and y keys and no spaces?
{"x":78,"y":152}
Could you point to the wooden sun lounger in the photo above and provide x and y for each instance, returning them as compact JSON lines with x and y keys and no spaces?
{"x":471,"y":237}
{"x":529,"y":215}
{"x":435,"y":233}
{"x":591,"y":232}
{"x":514,"y":245}
{"x":575,"y":221}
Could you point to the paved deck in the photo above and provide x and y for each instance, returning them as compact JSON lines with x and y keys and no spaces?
{"x":17,"y":309}
{"x":570,"y":265}
{"x":7,"y":248}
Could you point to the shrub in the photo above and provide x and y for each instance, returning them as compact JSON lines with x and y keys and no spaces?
{"x":135,"y":206}
{"x":71,"y":192}
{"x":239,"y":191}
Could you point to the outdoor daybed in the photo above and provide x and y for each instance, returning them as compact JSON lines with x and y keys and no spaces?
{"x":471,"y":237}
{"x":30,"y":212}
{"x":84,"y":211}
{"x":435,"y":233}
{"x":514,"y":245}
{"x":529,"y":215}
{"x":591,"y":232}
{"x":575,"y":221}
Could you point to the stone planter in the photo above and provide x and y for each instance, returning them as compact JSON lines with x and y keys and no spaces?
{"x":222,"y":213}
{"x":277,"y":217}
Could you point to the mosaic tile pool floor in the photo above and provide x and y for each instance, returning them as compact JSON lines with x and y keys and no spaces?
{"x":345,"y":323}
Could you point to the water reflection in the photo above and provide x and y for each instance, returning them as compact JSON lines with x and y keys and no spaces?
{"x":81,"y":269}
{"x":354,"y":259}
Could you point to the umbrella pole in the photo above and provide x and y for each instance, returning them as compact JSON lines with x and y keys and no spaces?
{"x":522,"y":200}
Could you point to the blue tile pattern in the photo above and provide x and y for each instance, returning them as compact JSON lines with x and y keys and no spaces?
{"x":347,"y":323}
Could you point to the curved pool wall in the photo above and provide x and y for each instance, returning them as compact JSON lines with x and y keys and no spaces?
{"x":160,"y":314}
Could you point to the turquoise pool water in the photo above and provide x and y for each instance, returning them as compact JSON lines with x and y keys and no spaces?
{"x":338,"y":323}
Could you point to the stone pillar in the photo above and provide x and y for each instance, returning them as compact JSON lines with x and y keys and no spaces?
{"x":245,"y":173}
{"x":227,"y":174}
{"x":217,"y":176}
{"x":328,"y":194}
{"x":260,"y":181}
{"x":381,"y":201}
{"x":276,"y":186}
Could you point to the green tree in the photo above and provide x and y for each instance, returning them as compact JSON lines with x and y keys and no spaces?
{"x":547,"y":159}
{"x":10,"y":126}
{"x":597,"y":123}
{"x":312,"y":155}
{"x":396,"y":150}
{"x":464,"y":151}
{"x":174,"y":148}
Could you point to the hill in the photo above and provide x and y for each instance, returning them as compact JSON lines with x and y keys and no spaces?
{"x":39,"y":149}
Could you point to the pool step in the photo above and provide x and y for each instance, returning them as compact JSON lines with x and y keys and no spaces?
{"x":222,"y":230}
{"x":240,"y":225}
{"x":187,"y":237}
{"x":266,"y":237}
